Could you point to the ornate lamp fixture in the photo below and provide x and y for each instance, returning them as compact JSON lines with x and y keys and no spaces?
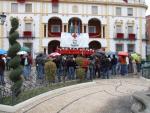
{"x":2,"y":18}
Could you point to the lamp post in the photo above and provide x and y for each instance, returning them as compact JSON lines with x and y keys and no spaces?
{"x":2,"y":20}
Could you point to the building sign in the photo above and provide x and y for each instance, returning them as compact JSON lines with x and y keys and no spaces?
{"x":74,"y":40}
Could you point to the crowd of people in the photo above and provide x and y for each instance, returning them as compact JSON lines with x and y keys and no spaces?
{"x":102,"y":66}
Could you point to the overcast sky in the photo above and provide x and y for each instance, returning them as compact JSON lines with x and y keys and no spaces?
{"x":148,"y":10}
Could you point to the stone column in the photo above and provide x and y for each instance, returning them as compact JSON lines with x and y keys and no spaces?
{"x":63,"y":27}
{"x":102,"y":31}
{"x":46,"y":30}
{"x":87,"y":28}
{"x":67,"y":27}
{"x":83,"y":28}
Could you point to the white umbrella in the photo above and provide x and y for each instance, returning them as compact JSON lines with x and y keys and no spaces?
{"x":54,"y":54}
{"x":22,"y":53}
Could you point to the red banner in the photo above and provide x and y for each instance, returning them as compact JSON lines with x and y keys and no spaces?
{"x":21,"y":1}
{"x":55,"y":1}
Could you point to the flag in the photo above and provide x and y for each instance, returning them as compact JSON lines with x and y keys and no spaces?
{"x":125,"y":1}
{"x":71,"y":27}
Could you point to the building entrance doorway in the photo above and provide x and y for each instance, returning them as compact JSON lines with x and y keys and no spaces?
{"x":53,"y":45}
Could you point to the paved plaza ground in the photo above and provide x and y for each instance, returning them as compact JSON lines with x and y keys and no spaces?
{"x":100,"y":96}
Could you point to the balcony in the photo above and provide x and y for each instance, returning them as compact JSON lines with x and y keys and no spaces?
{"x":54,"y":34}
{"x":27,"y":35}
{"x":21,"y":1}
{"x":131,"y":36}
{"x":94,"y":35}
{"x":120,"y":36}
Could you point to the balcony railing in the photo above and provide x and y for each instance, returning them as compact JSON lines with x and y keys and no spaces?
{"x":27,"y":33}
{"x":54,"y":34}
{"x":131,"y":36}
{"x":94,"y":35}
{"x":120,"y":35}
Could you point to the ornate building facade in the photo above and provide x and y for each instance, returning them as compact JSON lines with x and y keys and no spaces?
{"x":110,"y":24}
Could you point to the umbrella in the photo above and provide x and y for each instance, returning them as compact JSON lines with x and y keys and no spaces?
{"x":100,"y":51}
{"x":54,"y":54}
{"x":135,"y":56}
{"x":111,"y":53}
{"x":98,"y":54}
{"x":25,"y":49}
{"x":22,"y":53}
{"x":123,"y":53}
{"x":2,"y":51}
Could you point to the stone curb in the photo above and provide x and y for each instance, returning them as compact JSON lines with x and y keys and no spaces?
{"x":38,"y":99}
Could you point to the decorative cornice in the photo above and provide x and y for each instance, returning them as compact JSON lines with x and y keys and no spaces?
{"x":119,"y":22}
{"x":28,"y":19}
{"x":95,"y":2}
{"x":131,"y":22}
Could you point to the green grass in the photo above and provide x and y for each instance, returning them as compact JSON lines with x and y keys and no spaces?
{"x":37,"y":91}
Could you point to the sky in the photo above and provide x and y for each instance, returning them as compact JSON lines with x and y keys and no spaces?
{"x":148,"y":4}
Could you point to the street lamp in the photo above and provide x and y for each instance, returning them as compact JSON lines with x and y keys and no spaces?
{"x":2,"y":18}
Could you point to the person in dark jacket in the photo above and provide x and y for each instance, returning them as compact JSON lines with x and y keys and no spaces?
{"x":114,"y":65}
{"x":2,"y":69}
{"x":40,"y":66}
{"x":58,"y":62}
{"x":105,"y":67}
{"x":71,"y":64}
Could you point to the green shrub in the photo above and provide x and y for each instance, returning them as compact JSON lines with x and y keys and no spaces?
{"x":50,"y":71}
{"x":15,"y":62}
{"x":13,"y":37}
{"x":15,"y":74}
{"x":14,"y":49}
{"x":80,"y":73}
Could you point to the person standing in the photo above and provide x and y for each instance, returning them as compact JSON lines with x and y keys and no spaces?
{"x":134,"y":67}
{"x":97,"y":67}
{"x":40,"y":66}
{"x":71,"y":64}
{"x":7,"y":63}
{"x":114,"y":65}
{"x":2,"y":69}
{"x":26,"y":67}
{"x":91,"y":68}
{"x":58,"y":62}
{"x":138,"y":63}
{"x":105,"y":67}
{"x":122,"y":60}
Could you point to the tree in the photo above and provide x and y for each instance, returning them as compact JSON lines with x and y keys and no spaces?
{"x":15,"y":74}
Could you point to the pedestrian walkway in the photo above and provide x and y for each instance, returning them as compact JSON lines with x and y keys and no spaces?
{"x":90,"y":97}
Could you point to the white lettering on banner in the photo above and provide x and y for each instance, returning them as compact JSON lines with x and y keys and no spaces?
{"x":79,"y":41}
{"x":74,"y":44}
